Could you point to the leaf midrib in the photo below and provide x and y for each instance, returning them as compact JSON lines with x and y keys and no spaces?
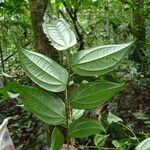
{"x":77,"y":63}
{"x":42,"y":69}
{"x":96,"y":92}
{"x":43,"y":104}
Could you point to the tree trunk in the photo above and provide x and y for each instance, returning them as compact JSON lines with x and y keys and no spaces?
{"x":42,"y":45}
{"x":139,"y":30}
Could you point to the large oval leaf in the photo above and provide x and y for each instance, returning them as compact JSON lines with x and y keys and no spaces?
{"x":92,"y":95}
{"x":59,"y":33}
{"x":43,"y":104}
{"x":44,"y":71}
{"x":99,"y":60}
{"x":84,"y":127}
{"x":57,"y":139}
{"x":144,"y":145}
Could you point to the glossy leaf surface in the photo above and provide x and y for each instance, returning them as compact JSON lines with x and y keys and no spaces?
{"x":98,"y":61}
{"x":43,"y":104}
{"x":144,"y":145}
{"x":84,"y":127}
{"x":57,"y":139}
{"x":92,"y":95}
{"x":44,"y":71}
{"x":59,"y":33}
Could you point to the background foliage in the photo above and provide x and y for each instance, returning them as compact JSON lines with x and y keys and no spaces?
{"x":95,"y":22}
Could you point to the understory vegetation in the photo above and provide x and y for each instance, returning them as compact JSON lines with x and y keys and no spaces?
{"x":75,"y":75}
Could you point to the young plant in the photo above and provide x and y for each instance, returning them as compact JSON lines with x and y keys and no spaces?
{"x":53,"y":78}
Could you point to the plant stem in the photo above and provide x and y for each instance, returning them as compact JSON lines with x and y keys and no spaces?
{"x":2,"y":63}
{"x":67,"y":100}
{"x":130,"y":131}
{"x":102,"y":148}
{"x":68,"y":116}
{"x":2,"y":23}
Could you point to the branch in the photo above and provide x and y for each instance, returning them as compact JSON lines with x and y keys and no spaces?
{"x":2,"y":62}
{"x":9,"y":56}
{"x":23,"y":46}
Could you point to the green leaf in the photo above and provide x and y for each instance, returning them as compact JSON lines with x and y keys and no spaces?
{"x":43,"y":104}
{"x":59,"y":33}
{"x":144,"y":145}
{"x":84,"y":127}
{"x":6,"y":75}
{"x":77,"y":113}
{"x":57,"y":139}
{"x":92,"y":95}
{"x":113,"y":118}
{"x":99,"y":140}
{"x":98,"y":61}
{"x":5,"y":93}
{"x":118,"y":145}
{"x":141,"y":116}
{"x":12,"y":95}
{"x":44,"y":71}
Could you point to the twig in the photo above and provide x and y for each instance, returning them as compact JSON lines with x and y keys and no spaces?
{"x":10,"y":56}
{"x":68,"y":114}
{"x":23,"y":46}
{"x":2,"y":62}
{"x":130,"y":131}
{"x":102,"y":148}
